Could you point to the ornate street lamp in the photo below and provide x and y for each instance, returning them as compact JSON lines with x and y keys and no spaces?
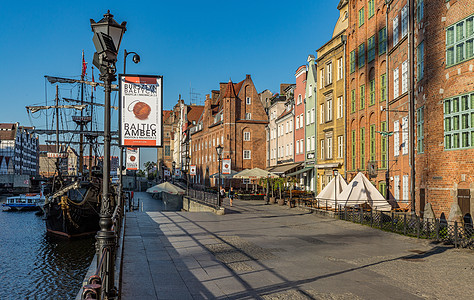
{"x":219,"y":159}
{"x":107,"y":37}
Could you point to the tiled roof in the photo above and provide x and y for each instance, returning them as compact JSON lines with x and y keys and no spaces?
{"x":7,"y":135}
{"x":230,"y":93}
{"x":286,"y":112}
{"x":7,"y":125}
{"x":166,"y":114}
{"x":195,"y":112}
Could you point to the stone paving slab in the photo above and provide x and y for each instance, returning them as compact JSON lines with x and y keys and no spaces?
{"x":259,"y":251}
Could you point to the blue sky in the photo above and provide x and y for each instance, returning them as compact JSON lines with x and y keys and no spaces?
{"x":193,"y":44}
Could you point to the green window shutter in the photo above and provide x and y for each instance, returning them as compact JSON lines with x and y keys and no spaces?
{"x":371,"y":8}
{"x":383,"y":87}
{"x":362,"y":96}
{"x":353,"y":101}
{"x":382,"y":40}
{"x":447,"y":107}
{"x":354,"y":150}
{"x":447,"y":124}
{"x":465,"y":140}
{"x":353,"y":62}
{"x":455,"y":102}
{"x":455,"y":144}
{"x":371,"y":55}
{"x":361,"y":17}
{"x":382,"y":188}
{"x":450,"y":36}
{"x":459,"y":52}
{"x":469,"y":48}
{"x":465,"y":121}
{"x":469,"y":27}
{"x":472,"y":119}
{"x":361,"y":55}
{"x":450,"y":56}
{"x":459,"y":31}
{"x":372,"y":92}
{"x":455,"y":122}
{"x":447,"y":141}
{"x":372,"y":142}
{"x":362,"y":148}
{"x":383,"y":145}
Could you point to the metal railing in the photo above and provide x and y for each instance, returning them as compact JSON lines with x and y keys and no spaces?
{"x":459,"y":234}
{"x":100,"y":285}
{"x":203,"y":197}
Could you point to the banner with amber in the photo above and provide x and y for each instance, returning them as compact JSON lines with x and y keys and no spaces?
{"x":141,"y":110}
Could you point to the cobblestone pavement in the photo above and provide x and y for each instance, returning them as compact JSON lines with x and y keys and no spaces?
{"x":259,"y":251}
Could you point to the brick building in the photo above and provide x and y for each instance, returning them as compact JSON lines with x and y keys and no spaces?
{"x":444,"y":35}
{"x":310,"y":128}
{"x":235,"y":118}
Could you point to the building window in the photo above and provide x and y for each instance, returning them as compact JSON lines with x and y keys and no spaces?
{"x":353,"y":148}
{"x":247,"y":136}
{"x":353,"y":101}
{"x":287,"y":149}
{"x":420,"y":120}
{"x":361,"y":17}
{"x":372,"y":92}
{"x":247,"y":154}
{"x":297,"y":147}
{"x":362,"y":96}
{"x":371,"y":49}
{"x":340,"y":68}
{"x":329,"y":109}
{"x":352,"y":61}
{"x":308,"y":144}
{"x":299,"y":99}
{"x":297,"y":122}
{"x":372,"y":143}
{"x":321,"y":76}
{"x":404,"y":135}
{"x":291,"y":125}
{"x":313,"y":112}
{"x":459,"y":41}
{"x":328,"y":73}
{"x":396,"y":142}
{"x":404,"y":21}
{"x":396,"y":187}
{"x":167,"y":151}
{"x":371,"y":8}
{"x":340,"y":107}
{"x":396,"y":88}
{"x":321,"y":113}
{"x":310,"y":91}
{"x":287,"y":126}
{"x":405,"y":189}
{"x":329,"y":147}
{"x":420,"y":61}
{"x":362,"y":148}
{"x":322,"y":149}
{"x":383,"y":87}
{"x":382,"y":40}
{"x":248,"y":101}
{"x":248,"y":116}
{"x":459,"y":122}
{"x":395,"y":31}
{"x":419,"y":10}
{"x":313,"y":145}
{"x":340,"y":146}
{"x":361,"y":55}
{"x":308,"y":117}
{"x":405,"y":76}
{"x":383,"y":145}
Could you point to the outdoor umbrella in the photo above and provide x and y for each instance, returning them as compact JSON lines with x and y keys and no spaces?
{"x":167,"y":188}
{"x":254,"y":173}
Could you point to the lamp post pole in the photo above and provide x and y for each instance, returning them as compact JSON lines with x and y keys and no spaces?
{"x":107,"y":37}
{"x":172,"y":171}
{"x":335,"y":172}
{"x":219,"y":158}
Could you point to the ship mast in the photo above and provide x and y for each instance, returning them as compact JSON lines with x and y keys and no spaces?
{"x":57,"y":119}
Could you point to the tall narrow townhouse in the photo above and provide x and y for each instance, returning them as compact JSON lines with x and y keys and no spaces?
{"x":444,"y":94}
{"x":367,"y":128}
{"x":306,"y":145}
{"x":330,"y":134}
{"x":299,"y":134}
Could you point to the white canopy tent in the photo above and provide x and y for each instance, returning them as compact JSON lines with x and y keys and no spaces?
{"x":360,"y":191}
{"x":327,"y":197}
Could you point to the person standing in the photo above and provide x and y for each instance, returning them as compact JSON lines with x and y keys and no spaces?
{"x":231,"y":195}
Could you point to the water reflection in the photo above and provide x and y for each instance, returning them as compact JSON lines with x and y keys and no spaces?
{"x":36,"y":265}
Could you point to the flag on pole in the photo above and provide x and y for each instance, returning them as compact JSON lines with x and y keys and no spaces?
{"x":84,"y":65}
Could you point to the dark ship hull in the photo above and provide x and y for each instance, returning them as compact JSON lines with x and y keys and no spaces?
{"x":73,"y":211}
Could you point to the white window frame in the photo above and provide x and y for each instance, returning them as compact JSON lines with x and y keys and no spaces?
{"x":405,"y":135}
{"x":247,"y":136}
{"x":308,"y":144}
{"x":404,"y":14}
{"x":247,"y":154}
{"x":297,"y":146}
{"x":405,"y":76}
{"x":396,"y":88}
{"x":321,"y":74}
{"x":340,"y":107}
{"x":313,"y":115}
{"x":313,"y":143}
{"x":287,"y":127}
{"x":248,"y":116}
{"x":329,"y":109}
{"x":395,"y":31}
{"x":291,"y":125}
{"x":310,"y":91}
{"x":340,"y":145}
{"x":340,"y":68}
{"x":321,"y":113}
{"x":299,"y":99}
{"x":329,"y":73}
{"x":322,"y":149}
{"x":297,"y":123}
{"x":287,"y":149}
{"x":308,"y":117}
{"x":406,"y":189}
{"x":248,"y":100}
{"x":396,"y":187}
{"x":329,"y":147}
{"x":396,"y":138}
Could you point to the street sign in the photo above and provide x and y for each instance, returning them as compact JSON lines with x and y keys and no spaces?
{"x":133,"y":158}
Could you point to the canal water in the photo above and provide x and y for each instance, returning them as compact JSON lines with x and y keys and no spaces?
{"x":34,"y":265}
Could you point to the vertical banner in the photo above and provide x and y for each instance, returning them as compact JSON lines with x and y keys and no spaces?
{"x":141,"y":110}
{"x":226,"y":166}
{"x":133,"y":158}
{"x":192,"y":170}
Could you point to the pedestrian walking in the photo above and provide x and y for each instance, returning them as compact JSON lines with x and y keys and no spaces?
{"x":231,"y":195}
{"x":222,"y":195}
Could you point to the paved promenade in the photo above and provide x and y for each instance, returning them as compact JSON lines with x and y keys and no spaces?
{"x":259,"y":251}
